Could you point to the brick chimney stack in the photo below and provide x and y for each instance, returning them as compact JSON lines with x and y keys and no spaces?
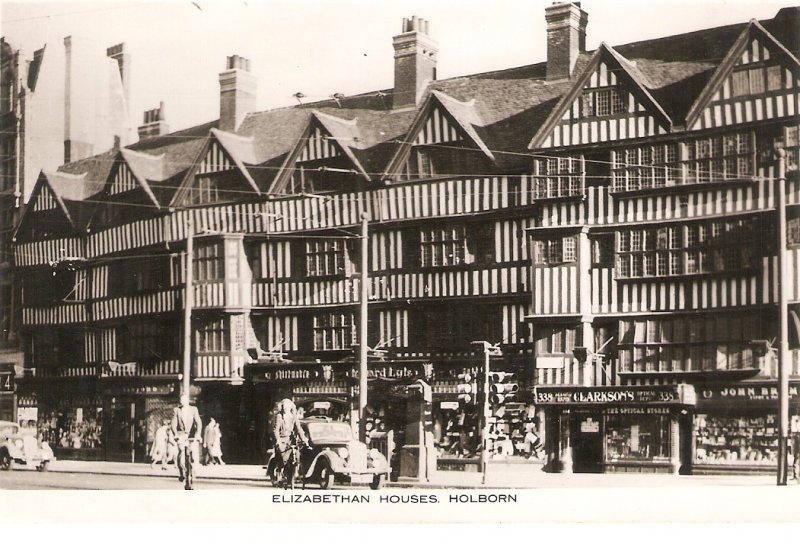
{"x":118,"y":53}
{"x":154,"y":123}
{"x":414,"y":62}
{"x":566,"y":38}
{"x":237,"y":93}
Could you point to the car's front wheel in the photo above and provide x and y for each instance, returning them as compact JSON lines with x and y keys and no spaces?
{"x":377,"y":481}
{"x":6,"y":462}
{"x":326,"y":477}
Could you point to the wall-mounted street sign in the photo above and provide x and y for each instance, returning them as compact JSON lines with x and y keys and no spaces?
{"x":7,"y":379}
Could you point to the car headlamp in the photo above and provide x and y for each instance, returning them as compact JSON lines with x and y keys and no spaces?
{"x":343,"y":453}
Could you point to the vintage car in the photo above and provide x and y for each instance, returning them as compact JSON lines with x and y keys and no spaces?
{"x":335,"y":455}
{"x":21,"y":448}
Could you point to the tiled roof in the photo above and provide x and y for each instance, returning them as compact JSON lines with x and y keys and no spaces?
{"x":504,"y":107}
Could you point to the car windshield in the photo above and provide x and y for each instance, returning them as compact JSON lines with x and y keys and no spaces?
{"x":329,"y":432}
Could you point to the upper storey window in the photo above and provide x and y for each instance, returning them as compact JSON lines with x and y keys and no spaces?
{"x":558,"y":177}
{"x":323,"y":175}
{"x":720,"y":157}
{"x":326,"y":257}
{"x":749,"y":80}
{"x":430,"y":161}
{"x":603,"y":102}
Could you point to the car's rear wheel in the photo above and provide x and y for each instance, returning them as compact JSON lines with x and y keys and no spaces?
{"x":326,"y":477}
{"x":43,"y":466}
{"x":6,"y":462}
{"x":377,"y":481}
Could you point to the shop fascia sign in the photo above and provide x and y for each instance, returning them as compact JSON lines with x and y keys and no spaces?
{"x":754,"y":392}
{"x":390,"y":371}
{"x":293,"y":374}
{"x":634,"y":395}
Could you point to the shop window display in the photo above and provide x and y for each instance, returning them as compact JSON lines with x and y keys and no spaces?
{"x":77,"y":428}
{"x":637,"y":438}
{"x":735,"y":440}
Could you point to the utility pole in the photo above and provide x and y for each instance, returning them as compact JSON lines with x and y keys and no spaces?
{"x":783,"y":315}
{"x":362,"y":330}
{"x":188,"y":302}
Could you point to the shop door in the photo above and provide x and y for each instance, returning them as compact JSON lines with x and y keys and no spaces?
{"x":587,"y":444}
{"x":126,"y":433}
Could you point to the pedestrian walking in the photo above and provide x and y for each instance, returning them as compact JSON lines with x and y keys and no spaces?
{"x":215,"y":447}
{"x":208,"y":438}
{"x":159,"y":451}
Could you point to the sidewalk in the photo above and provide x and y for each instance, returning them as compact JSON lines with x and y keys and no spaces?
{"x":507,"y":476}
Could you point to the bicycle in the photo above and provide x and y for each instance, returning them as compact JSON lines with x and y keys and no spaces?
{"x":186,"y":452}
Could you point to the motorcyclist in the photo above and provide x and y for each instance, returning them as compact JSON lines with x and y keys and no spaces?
{"x":287,"y":426}
{"x":186,"y":424}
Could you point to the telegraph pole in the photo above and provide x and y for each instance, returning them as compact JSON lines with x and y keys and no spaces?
{"x":783,"y":315}
{"x":362,"y":330}
{"x":188,"y":302}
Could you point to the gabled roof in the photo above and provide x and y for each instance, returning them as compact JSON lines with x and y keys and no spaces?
{"x":241,"y":151}
{"x":464,"y":114}
{"x":144,"y":167}
{"x":723,"y":70}
{"x":626,"y":69}
{"x":344,"y":134}
{"x":238,"y":148}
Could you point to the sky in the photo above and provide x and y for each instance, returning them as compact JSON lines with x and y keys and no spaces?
{"x":322,"y":47}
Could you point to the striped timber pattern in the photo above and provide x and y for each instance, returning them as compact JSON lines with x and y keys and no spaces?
{"x":498,"y":280}
{"x":556,"y":290}
{"x":145,"y":304}
{"x":44,"y":200}
{"x":724,"y":109}
{"x":281,"y":333}
{"x":66,"y":313}
{"x":386,"y":250}
{"x":216,"y":160}
{"x":158,"y":369}
{"x":124,"y":180}
{"x":680,"y":293}
{"x":320,"y":145}
{"x":576,"y":130}
{"x":571,"y":372}
{"x":213,"y":366}
{"x":515,"y":330}
{"x":274,"y":260}
{"x":100,"y":345}
{"x":393,"y":327}
{"x":437,"y":129}
{"x":46,"y":251}
{"x":600,"y":207}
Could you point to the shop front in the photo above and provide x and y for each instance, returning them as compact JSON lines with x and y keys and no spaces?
{"x":617,"y":429}
{"x":131,"y":414}
{"x":735,"y":427}
{"x":68,"y":415}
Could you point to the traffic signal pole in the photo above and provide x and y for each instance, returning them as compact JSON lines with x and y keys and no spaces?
{"x":188,"y":302}
{"x":485,"y":415}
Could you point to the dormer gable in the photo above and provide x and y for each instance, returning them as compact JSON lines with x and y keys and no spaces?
{"x":444,"y":140}
{"x":757,"y":80}
{"x":220,"y":174}
{"x":324,"y":158}
{"x":609,"y":101}
{"x":46,"y":215}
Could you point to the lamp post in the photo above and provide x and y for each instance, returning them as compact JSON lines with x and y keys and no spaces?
{"x":783,"y":311}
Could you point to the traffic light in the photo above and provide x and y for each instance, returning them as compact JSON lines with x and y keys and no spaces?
{"x":467,"y":389}
{"x":502,"y":387}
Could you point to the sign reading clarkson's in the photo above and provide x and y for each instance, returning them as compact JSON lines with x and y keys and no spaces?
{"x":681,"y":394}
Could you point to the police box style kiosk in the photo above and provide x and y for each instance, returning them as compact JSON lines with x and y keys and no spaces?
{"x":617,"y":428}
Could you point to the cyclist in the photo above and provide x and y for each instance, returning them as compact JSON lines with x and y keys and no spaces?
{"x":287,"y":426}
{"x":186,"y":425}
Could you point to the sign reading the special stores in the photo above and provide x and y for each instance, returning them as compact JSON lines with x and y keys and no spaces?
{"x":565,"y":396}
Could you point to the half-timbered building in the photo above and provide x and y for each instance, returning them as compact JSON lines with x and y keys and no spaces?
{"x":607,"y":218}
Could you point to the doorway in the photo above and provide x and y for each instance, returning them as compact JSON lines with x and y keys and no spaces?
{"x":587,"y":443}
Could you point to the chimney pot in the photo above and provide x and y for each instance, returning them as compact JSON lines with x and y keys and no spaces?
{"x":237,"y":87}
{"x":414,"y":62}
{"x":566,"y":38}
{"x":154,"y":123}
